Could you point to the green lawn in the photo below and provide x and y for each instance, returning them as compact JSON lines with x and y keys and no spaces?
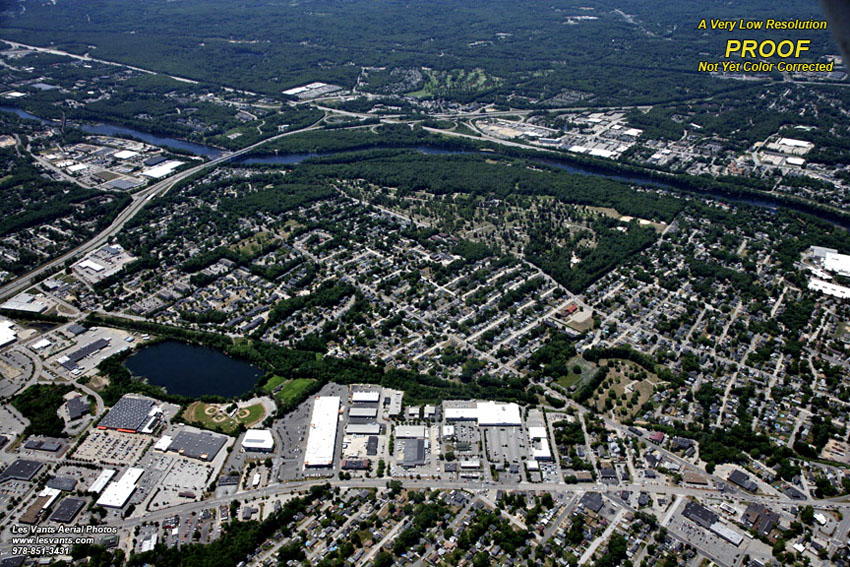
{"x":293,"y":389}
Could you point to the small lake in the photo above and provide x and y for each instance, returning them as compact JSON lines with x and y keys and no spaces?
{"x":193,"y":371}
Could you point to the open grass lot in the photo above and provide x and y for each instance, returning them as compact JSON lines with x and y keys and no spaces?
{"x":213,"y":416}
{"x":574,"y":379}
{"x":628,"y":386}
{"x":291,"y":390}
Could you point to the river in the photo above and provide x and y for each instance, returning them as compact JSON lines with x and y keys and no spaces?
{"x":563,"y":164}
{"x":119,"y":131}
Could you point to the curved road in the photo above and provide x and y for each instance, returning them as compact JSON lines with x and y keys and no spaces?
{"x":140,"y":199}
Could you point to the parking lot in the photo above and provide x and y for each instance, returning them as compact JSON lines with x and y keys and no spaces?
{"x":112,"y":447}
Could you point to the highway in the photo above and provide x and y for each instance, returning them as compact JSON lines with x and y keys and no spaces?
{"x":140,"y":199}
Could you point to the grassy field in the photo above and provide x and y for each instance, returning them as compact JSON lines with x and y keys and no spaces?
{"x":291,"y":390}
{"x":212,"y":416}
{"x":573,"y":379}
{"x":632,"y":386}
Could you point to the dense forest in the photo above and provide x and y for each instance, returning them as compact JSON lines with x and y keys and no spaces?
{"x":523,"y":53}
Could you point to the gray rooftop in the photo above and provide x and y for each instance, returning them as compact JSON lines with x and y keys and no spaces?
{"x":67,"y":510}
{"x":203,"y":446}
{"x":128,"y":413}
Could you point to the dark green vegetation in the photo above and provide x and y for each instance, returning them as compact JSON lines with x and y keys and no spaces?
{"x":521,"y":53}
{"x":38,"y":404}
{"x":383,"y":136}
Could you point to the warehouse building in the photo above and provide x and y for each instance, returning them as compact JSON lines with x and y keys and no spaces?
{"x":7,"y":333}
{"x":411,"y":432}
{"x":365,"y":397}
{"x":69,"y":362}
{"x":363,"y":413}
{"x":321,"y":437}
{"x":414,"y":453}
{"x":363,"y":429}
{"x":131,"y":414}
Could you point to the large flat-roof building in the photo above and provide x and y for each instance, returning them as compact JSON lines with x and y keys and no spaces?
{"x":366,"y":397}
{"x":363,"y":413}
{"x":260,"y":440}
{"x":69,"y":361}
{"x":67,"y":510}
{"x":410,"y":432}
{"x":321,"y":437}
{"x":131,"y":414}
{"x":22,"y":469}
{"x":200,"y":445}
{"x":486,"y":414}
{"x":117,"y":493}
{"x":414,"y":453}
{"x":837,"y":263}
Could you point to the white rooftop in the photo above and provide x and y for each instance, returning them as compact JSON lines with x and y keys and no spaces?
{"x":117,"y":493}
{"x":162,"y":169}
{"x":7,"y":332}
{"x":486,"y":413}
{"x":258,"y":440}
{"x":101,"y":481}
{"x":366,"y":397}
{"x":410,"y":432}
{"x":321,"y":438}
{"x":838,"y":263}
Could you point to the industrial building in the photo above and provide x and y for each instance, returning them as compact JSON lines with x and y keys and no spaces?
{"x":259,"y":440}
{"x":321,"y":438}
{"x":363,"y":429}
{"x":411,"y":432}
{"x":25,"y":302}
{"x":131,"y":414}
{"x":363,"y":413}
{"x":837,"y":263}
{"x":365,"y":397}
{"x":69,"y":361}
{"x":414,"y":453}
{"x":117,"y":493}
